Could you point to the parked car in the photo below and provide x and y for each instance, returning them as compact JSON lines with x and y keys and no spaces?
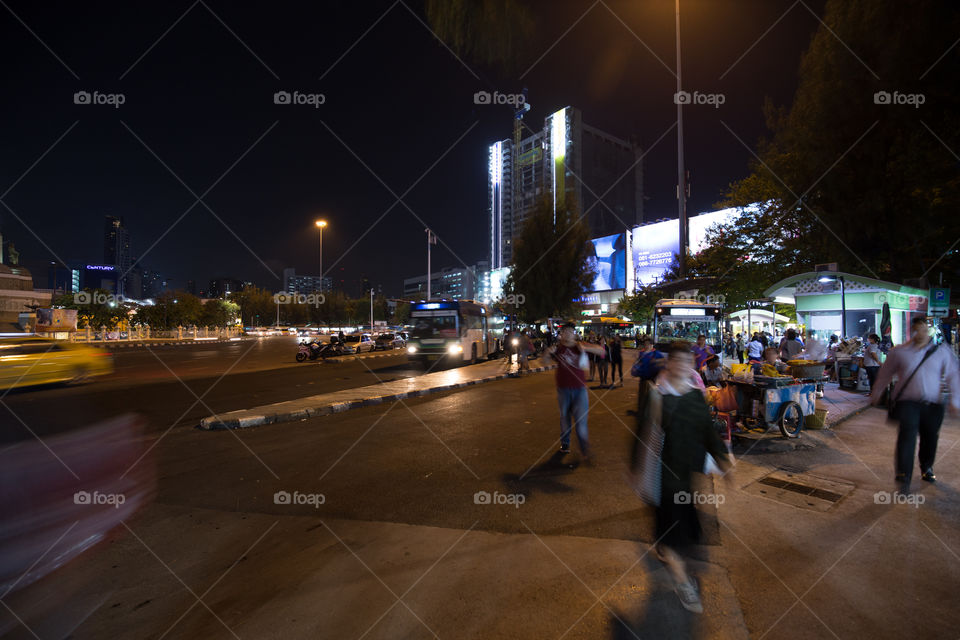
{"x":32,"y":360}
{"x":360,"y":342}
{"x":387,"y":341}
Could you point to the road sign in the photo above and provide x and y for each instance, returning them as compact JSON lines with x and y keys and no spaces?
{"x":939,"y":305}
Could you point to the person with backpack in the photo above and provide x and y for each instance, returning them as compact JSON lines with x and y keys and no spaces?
{"x":920,"y":367}
{"x":571,"y":357}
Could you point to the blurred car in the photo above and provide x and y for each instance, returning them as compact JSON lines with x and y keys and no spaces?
{"x":387,"y":341}
{"x":360,"y":342}
{"x":33,"y":360}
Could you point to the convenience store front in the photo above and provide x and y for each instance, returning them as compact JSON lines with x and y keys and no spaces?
{"x":824,"y":299}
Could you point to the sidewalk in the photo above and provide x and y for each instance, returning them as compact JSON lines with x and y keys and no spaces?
{"x":327,"y":403}
{"x":317,"y":577}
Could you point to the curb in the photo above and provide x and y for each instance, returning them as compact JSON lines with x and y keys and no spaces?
{"x":276,"y":413}
{"x":129,"y":345}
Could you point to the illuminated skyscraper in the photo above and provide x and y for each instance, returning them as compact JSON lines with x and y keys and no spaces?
{"x":568,"y":161}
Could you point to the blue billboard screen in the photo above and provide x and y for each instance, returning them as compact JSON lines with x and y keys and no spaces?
{"x":609,"y":261}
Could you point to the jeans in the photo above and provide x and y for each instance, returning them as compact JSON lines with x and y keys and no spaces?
{"x":574,"y":406}
{"x":923,"y":418}
{"x":872,"y":375}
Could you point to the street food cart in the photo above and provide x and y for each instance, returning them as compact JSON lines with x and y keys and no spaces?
{"x":766,"y":400}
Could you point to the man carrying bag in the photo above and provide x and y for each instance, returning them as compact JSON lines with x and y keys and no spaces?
{"x":920,"y":368}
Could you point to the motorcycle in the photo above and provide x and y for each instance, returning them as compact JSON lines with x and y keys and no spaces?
{"x":310,"y":351}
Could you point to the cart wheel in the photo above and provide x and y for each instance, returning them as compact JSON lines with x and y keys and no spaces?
{"x":791,"y":420}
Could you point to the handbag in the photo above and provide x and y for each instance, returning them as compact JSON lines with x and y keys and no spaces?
{"x":892,"y":409}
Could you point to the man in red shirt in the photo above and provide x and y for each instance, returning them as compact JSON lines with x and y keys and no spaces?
{"x":572,"y":387}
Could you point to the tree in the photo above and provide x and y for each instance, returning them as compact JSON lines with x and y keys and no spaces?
{"x":849,"y":175}
{"x":257,"y":306}
{"x":218,"y":313}
{"x":95,"y":308}
{"x":550,"y":270}
{"x":402,"y":313}
{"x":488,"y":31}
{"x":640,"y":307}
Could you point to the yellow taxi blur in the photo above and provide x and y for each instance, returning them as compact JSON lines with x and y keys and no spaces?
{"x":33,"y":360}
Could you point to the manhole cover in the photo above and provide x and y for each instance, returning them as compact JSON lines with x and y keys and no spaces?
{"x":801,"y":490}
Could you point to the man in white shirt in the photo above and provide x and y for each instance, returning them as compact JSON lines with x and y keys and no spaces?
{"x":755,"y":348}
{"x":919,"y":404}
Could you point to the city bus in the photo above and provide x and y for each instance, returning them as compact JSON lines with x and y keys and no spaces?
{"x":607,"y":326}
{"x":683,"y":320}
{"x":456,"y":330}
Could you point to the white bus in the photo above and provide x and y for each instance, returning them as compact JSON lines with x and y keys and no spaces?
{"x":455,"y":330}
{"x":683,"y":320}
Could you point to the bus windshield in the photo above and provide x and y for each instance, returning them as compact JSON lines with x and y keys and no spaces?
{"x":435,"y":327}
{"x":688,"y":331}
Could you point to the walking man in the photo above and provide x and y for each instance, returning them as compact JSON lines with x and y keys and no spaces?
{"x":572,"y":387}
{"x":616,"y":360}
{"x":739,"y":346}
{"x":919,"y":367}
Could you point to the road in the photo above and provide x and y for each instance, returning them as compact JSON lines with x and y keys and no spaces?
{"x":163,"y":385}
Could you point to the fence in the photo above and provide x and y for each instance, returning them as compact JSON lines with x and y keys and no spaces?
{"x":144,"y":333}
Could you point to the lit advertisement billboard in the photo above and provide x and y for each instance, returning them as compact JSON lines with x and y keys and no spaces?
{"x":653,"y":248}
{"x":609,"y":262}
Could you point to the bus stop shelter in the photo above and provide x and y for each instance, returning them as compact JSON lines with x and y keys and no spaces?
{"x":759,"y":320}
{"x":838,"y":303}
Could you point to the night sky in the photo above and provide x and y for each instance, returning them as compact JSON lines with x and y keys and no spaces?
{"x":199,"y":121}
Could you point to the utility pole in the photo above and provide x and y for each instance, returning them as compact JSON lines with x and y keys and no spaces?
{"x":431,"y":239}
{"x":371,"y":308}
{"x":681,"y":172}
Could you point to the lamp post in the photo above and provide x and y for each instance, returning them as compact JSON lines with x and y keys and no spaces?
{"x":320,"y":224}
{"x":681,"y":170}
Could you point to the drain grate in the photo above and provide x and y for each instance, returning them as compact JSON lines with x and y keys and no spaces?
{"x":803,"y":489}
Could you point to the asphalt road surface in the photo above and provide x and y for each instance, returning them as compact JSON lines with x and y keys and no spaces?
{"x":176,"y":386}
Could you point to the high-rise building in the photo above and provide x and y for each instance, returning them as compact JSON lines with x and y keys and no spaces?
{"x":458,"y":283}
{"x":566,"y":161}
{"x":292,"y":283}
{"x":222,"y":287}
{"x":116,"y":246}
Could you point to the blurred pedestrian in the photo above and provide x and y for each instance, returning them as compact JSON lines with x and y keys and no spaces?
{"x":701,"y":351}
{"x":739,"y":347}
{"x":591,"y":339}
{"x":679,"y":410}
{"x":603,"y":360}
{"x":920,"y":367}
{"x":570,"y":356}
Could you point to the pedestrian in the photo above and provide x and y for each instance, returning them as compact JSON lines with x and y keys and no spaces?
{"x":603,"y":360}
{"x":739,"y":344}
{"x":871,"y":359}
{"x":920,"y":367}
{"x":569,"y":354}
{"x":713,"y":372}
{"x":701,"y":351}
{"x":755,"y":352}
{"x":649,"y":361}
{"x":680,"y":410}
{"x":524,"y":349}
{"x":615,"y":349}
{"x":790,"y":346}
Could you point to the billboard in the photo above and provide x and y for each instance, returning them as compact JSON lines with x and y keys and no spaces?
{"x":609,"y":261}
{"x":654,"y":246}
{"x":52,"y":320}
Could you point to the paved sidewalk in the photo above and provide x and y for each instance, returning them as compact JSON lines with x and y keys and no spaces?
{"x":328,"y":403}
{"x":289,"y":576}
{"x":841,"y":404}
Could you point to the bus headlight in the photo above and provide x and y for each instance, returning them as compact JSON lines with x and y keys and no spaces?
{"x":411,"y":349}
{"x":455,"y":348}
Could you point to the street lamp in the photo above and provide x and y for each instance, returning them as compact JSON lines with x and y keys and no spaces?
{"x":824,"y":279}
{"x":320,"y":224}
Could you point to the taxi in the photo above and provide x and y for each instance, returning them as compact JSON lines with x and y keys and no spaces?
{"x":32,"y":360}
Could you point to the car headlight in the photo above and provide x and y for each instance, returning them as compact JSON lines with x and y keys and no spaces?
{"x":411,"y":349}
{"x":455,"y":348}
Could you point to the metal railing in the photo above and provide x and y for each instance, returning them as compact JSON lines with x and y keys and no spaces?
{"x":146,"y":333}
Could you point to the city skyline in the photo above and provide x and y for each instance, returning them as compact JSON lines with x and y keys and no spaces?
{"x":271,"y":168}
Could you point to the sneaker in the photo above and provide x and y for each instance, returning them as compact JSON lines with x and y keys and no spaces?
{"x":928,"y":476}
{"x":689,"y":597}
{"x":564,"y":448}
